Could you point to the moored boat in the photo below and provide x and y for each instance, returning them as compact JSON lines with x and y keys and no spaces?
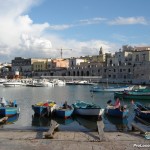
{"x":111,"y":89}
{"x":13,"y":83}
{"x":87,"y":109}
{"x":44,"y":109}
{"x":143,"y":94}
{"x":64,"y":112}
{"x":9,"y":109}
{"x":116,"y":110}
{"x":40,"y":83}
{"x":77,"y":82}
{"x":142,"y":111}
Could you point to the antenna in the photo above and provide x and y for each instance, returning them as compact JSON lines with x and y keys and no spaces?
{"x":61,"y":51}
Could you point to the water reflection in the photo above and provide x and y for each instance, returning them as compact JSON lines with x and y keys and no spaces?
{"x":121,"y":124}
{"x":63,"y":121}
{"x":89,"y":123}
{"x":38,"y":121}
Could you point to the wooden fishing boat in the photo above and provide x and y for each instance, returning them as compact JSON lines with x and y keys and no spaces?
{"x":10,"y":109}
{"x":87,"y":109}
{"x":136,"y":95}
{"x":142,"y":111}
{"x":116,"y":110}
{"x":12,"y":119}
{"x":63,"y":121}
{"x":64,"y":112}
{"x":111,"y":89}
{"x":44,"y":109}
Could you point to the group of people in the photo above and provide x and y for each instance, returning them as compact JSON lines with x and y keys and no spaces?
{"x":117,"y":104}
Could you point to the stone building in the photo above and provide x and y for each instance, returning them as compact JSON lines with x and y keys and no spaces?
{"x":128,"y":66}
{"x":87,"y":65}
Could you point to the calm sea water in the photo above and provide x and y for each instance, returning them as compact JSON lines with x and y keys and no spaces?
{"x":27,"y":96}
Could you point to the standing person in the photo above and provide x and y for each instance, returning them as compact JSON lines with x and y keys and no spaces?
{"x":3,"y":102}
{"x":65,"y":105}
{"x":117,"y":103}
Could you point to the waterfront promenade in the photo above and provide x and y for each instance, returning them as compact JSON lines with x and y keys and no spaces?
{"x":65,"y":140}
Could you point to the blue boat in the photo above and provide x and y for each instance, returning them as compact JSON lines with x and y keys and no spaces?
{"x":64,"y":112}
{"x":12,"y":119}
{"x":142,"y":111}
{"x":111,"y":89}
{"x":64,"y":121}
{"x":44,"y":109}
{"x":116,"y":110}
{"x":10,"y":109}
{"x":87,"y":109}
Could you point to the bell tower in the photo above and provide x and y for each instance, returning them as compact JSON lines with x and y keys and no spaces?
{"x":101,"y":51}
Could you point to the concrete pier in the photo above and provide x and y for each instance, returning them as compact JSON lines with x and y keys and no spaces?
{"x":63,"y":140}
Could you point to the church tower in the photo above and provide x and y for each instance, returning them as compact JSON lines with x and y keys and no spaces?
{"x":101,"y":51}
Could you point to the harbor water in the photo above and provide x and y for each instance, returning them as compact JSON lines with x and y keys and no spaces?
{"x":27,"y":96}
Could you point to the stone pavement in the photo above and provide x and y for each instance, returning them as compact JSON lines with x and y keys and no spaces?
{"x":63,"y":140}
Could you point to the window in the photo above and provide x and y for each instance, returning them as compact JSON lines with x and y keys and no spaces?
{"x":129,"y":70}
{"x":137,"y":57}
{"x":144,"y":58}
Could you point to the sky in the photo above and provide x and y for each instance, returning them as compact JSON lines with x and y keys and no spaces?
{"x":41,"y":28}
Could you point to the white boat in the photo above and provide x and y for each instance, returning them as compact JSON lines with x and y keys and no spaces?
{"x":59,"y":82}
{"x":40,"y":83}
{"x":13,"y":83}
{"x":111,"y":89}
{"x":87,"y":109}
{"x":2,"y":81}
{"x":82,"y":82}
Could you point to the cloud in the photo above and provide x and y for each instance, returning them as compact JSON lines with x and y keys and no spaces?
{"x":21,"y":36}
{"x":30,"y":42}
{"x":60,"y":27}
{"x":78,"y":23}
{"x":128,"y":21}
{"x":79,"y":48}
{"x":14,"y":25}
{"x":91,"y":21}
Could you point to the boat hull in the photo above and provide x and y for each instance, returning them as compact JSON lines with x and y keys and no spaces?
{"x":12,"y":85}
{"x":144,"y":115}
{"x":64,"y":113}
{"x":8,"y":111}
{"x":89,"y":111}
{"x":43,"y":110}
{"x":111,"y":89}
{"x":116,"y":113}
{"x":135,"y":96}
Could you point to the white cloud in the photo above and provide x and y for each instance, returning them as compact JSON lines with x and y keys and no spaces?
{"x":14,"y":25}
{"x":20,"y":36}
{"x":128,"y":21}
{"x":89,"y":47}
{"x":79,"y":23}
{"x":92,"y":21}
{"x":60,"y":27}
